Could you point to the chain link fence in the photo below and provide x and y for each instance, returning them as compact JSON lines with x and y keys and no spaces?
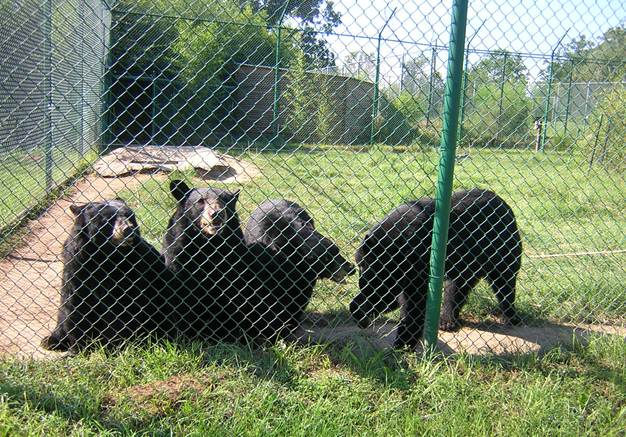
{"x":51,"y":74}
{"x":313,"y":123}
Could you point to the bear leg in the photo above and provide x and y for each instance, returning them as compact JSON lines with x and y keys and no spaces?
{"x":455,"y":296}
{"x":412,"y":315}
{"x":503,"y":285}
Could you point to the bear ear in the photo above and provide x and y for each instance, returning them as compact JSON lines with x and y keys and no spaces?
{"x":179,"y":189}
{"x":234,"y":195}
{"x":77,"y":209}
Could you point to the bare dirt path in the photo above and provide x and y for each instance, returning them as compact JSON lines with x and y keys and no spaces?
{"x":475,"y":339}
{"x":30,"y":276}
{"x":30,"y":279}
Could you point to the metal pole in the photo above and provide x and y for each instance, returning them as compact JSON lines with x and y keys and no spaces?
{"x":433,"y":60}
{"x":586,"y":113}
{"x":402,"y":73}
{"x":452,"y":99}
{"x":376,"y":80}
{"x":153,"y":112}
{"x":50,"y":102}
{"x":500,"y":100}
{"x":106,"y":120}
{"x":277,"y":71}
{"x":567,"y":99}
{"x":547,"y":107}
{"x":502,"y":80}
{"x":462,"y":104}
{"x":82,"y":102}
{"x":595,"y":143}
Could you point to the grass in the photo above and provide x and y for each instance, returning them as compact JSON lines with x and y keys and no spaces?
{"x":316,"y":390}
{"x":560,"y":209}
{"x":356,"y":389}
{"x":23,"y":181}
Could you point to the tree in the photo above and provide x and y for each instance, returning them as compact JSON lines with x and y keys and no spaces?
{"x":318,"y":13}
{"x":361,"y":65}
{"x":415,"y":75}
{"x":315,"y":17}
{"x":499,"y":65}
{"x":185,"y":64}
{"x":589,"y":61}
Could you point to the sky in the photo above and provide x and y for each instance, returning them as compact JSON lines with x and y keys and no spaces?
{"x":516,"y":25}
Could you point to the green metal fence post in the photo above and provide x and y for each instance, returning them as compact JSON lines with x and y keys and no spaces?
{"x":567,"y":100}
{"x":433,"y":60}
{"x":501,"y":99}
{"x":83,"y":103}
{"x":275,"y":108}
{"x":377,"y":79}
{"x":49,"y":100}
{"x":106,"y":90}
{"x":452,"y":98}
{"x":464,"y":88}
{"x":502,"y":81}
{"x":549,"y":91}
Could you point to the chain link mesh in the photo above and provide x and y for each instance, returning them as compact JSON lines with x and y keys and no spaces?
{"x":334,"y":106}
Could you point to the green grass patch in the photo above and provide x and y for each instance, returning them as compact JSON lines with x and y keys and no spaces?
{"x":285,"y":390}
{"x":23,"y":179}
{"x":24,"y":187}
{"x":560,"y":209}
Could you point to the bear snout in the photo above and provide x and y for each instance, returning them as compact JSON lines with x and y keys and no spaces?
{"x":124,"y":231}
{"x":210,"y":221}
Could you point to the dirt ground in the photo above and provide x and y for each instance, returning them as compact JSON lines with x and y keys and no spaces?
{"x":30,"y":276}
{"x":30,"y":279}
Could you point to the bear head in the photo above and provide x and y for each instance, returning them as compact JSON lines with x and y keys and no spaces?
{"x":287,"y":228}
{"x":392,"y":259}
{"x":208,"y":211}
{"x":107,"y":222}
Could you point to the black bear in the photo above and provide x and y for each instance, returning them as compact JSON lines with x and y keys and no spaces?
{"x":113,"y":282}
{"x":393,"y":259}
{"x":292,"y":256}
{"x":205,"y":248}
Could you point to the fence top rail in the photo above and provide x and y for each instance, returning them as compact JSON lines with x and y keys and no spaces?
{"x":433,"y":46}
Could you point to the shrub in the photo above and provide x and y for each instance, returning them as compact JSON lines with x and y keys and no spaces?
{"x":607,"y":122}
{"x":491,"y":120}
{"x":411,"y":107}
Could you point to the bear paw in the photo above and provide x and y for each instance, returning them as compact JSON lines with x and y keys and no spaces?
{"x":449,"y":324}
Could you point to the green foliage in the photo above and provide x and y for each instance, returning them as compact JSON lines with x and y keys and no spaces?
{"x":315,"y":16}
{"x":411,"y":106}
{"x":499,"y":66}
{"x":299,"y":96}
{"x":499,"y":114}
{"x":608,"y":126}
{"x":191,"y":58}
{"x":562,"y":141}
{"x":327,"y":117}
{"x":309,"y":103}
{"x":590,"y":61}
{"x":397,"y":120}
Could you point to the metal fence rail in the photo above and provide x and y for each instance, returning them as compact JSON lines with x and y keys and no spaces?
{"x":338,"y":107}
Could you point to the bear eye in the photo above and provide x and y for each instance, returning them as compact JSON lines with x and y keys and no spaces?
{"x":200,"y":202}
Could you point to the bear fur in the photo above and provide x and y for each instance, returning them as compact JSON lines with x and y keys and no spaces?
{"x":205,"y":248}
{"x":113,"y":280}
{"x":393,"y":259}
{"x":292,"y":256}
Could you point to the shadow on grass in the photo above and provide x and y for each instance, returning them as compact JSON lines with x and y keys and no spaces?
{"x":139,"y":407}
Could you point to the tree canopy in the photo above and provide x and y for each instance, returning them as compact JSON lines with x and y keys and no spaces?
{"x":604,"y":60}
{"x":499,"y":65}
